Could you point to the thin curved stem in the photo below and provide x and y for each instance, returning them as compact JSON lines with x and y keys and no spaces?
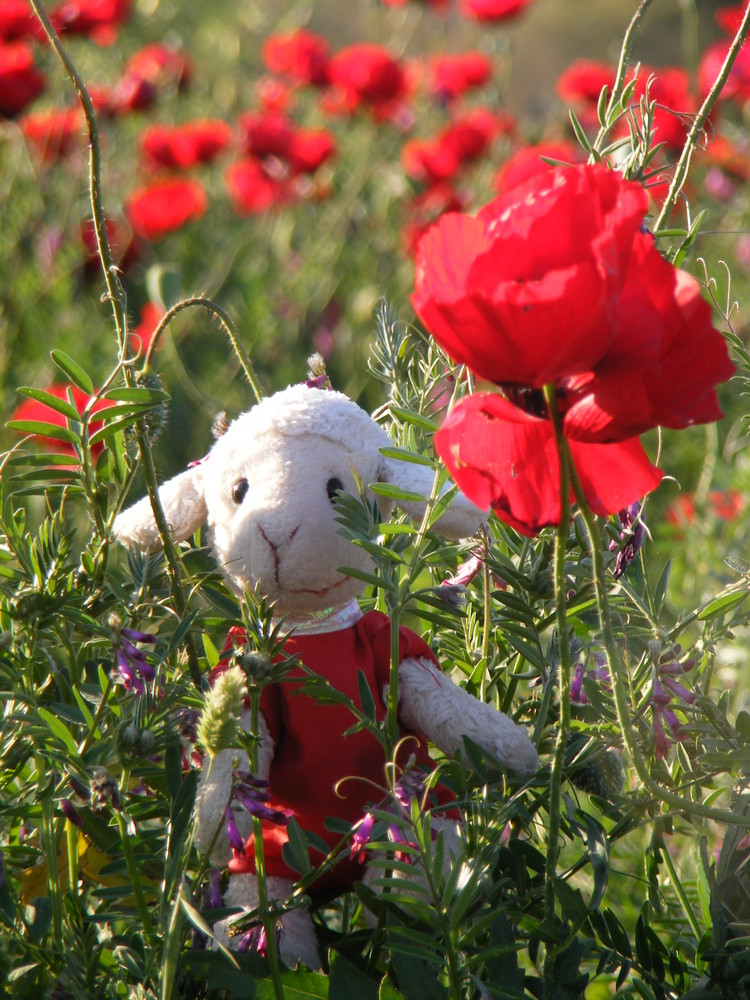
{"x":622,"y":69}
{"x":699,"y":122}
{"x":228,"y":325}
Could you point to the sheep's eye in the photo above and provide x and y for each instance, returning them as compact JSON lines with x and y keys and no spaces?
{"x":239,"y":490}
{"x":332,"y":487}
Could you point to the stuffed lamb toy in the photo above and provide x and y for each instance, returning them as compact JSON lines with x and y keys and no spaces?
{"x":267,"y":491}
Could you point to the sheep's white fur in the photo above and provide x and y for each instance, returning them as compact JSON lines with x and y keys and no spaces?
{"x":283,"y":537}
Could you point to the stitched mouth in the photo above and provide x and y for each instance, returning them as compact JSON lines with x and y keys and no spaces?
{"x":317,"y":593}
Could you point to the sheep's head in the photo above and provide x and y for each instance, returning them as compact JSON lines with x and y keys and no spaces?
{"x":267,"y":492}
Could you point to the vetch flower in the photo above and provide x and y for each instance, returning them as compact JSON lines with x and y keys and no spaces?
{"x":132,"y":663}
{"x":597,"y":673}
{"x":631,"y":538}
{"x":71,"y":813}
{"x":253,"y":795}
{"x":554,"y":283}
{"x":361,"y":837}
{"x":235,"y":838}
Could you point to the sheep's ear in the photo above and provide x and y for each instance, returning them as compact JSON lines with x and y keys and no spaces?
{"x":461,"y":519}
{"x":184,"y":506}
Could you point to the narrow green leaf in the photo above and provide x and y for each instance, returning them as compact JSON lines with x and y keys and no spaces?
{"x":53,"y":402}
{"x":73,"y":371}
{"x":417,"y":419}
{"x":371,"y":578}
{"x":138,"y":394}
{"x":403,"y":455}
{"x":721,"y":605}
{"x":60,"y":730}
{"x":43,"y":429}
{"x":397,"y":493}
{"x":295,"y":851}
{"x":365,"y":696}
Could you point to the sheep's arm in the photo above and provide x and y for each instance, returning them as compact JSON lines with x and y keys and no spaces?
{"x":431,"y":704}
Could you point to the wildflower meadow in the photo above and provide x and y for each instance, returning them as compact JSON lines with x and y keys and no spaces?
{"x":440,"y":695}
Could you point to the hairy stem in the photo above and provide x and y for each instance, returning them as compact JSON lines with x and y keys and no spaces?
{"x":699,"y":122}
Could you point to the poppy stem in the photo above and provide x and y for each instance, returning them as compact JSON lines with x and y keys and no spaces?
{"x":228,"y":325}
{"x":699,"y":123}
{"x":619,"y":676}
{"x":563,"y":699}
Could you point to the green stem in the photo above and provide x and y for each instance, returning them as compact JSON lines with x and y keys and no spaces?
{"x":563,"y":724}
{"x":225,"y":320}
{"x":135,"y":880}
{"x":699,"y":122}
{"x":268,"y":918}
{"x":118,"y":299}
{"x":618,"y":675}
{"x":71,"y":833}
{"x":622,"y":69}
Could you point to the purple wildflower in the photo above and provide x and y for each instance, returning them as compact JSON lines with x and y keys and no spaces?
{"x":212,"y":890}
{"x":663,"y":687}
{"x":252,"y":794}
{"x":631,"y":538}
{"x":362,"y":834}
{"x":71,"y":812}
{"x":255,"y":940}
{"x":598,"y":673}
{"x":132,"y":664}
{"x":104,"y":790}
{"x":233,"y":834}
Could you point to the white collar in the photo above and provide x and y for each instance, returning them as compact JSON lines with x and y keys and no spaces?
{"x":328,"y":620}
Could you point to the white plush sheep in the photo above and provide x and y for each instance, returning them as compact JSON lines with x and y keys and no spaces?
{"x":266,"y":491}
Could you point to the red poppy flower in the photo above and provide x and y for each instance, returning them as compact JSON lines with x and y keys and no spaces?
{"x":556,"y":283}
{"x":301,"y":55}
{"x":724,"y":504}
{"x":32,"y":409}
{"x":368,"y":74}
{"x":54,"y":133}
{"x":527,"y":163}
{"x":309,"y":149}
{"x":18,"y":20}
{"x":505,"y":458}
{"x":493,"y":10}
{"x":265,"y":134}
{"x":184,"y":146}
{"x":583,"y":81}
{"x":274,"y":96}
{"x":453,"y":74}
{"x":164,"y":206}
{"x":98,"y":19}
{"x":251,"y":189}
{"x":465,"y":139}
{"x":160,"y":65}
{"x":20,"y":81}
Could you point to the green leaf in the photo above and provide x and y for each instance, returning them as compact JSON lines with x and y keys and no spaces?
{"x":416,"y":980}
{"x":43,"y":429}
{"x":295,"y":852}
{"x":60,"y":730}
{"x":73,"y":371}
{"x":403,"y":455}
{"x":721,"y":605}
{"x":347,"y":982}
{"x":138,"y":394}
{"x":375,"y":581}
{"x":365,"y":696}
{"x":54,"y":402}
{"x":417,"y":419}
{"x":397,"y":493}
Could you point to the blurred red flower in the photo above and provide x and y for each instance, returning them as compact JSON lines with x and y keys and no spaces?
{"x":527,"y":162}
{"x":368,"y":74}
{"x":54,"y":133}
{"x":20,"y":81}
{"x":98,"y":19}
{"x":185,"y":146}
{"x":737,"y":87}
{"x":583,"y":81}
{"x":32,"y":409}
{"x":465,"y":139}
{"x":493,"y":10}
{"x":301,"y":55}
{"x":556,"y":283}
{"x":164,"y":206}
{"x":300,"y":151}
{"x":142,"y":335}
{"x":453,"y":74}
{"x":18,"y":20}
{"x":160,"y":65}
{"x":729,"y":19}
{"x":251,"y":189}
{"x":724,"y":504}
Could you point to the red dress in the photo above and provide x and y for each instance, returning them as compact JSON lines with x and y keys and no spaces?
{"x":312,"y":754}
